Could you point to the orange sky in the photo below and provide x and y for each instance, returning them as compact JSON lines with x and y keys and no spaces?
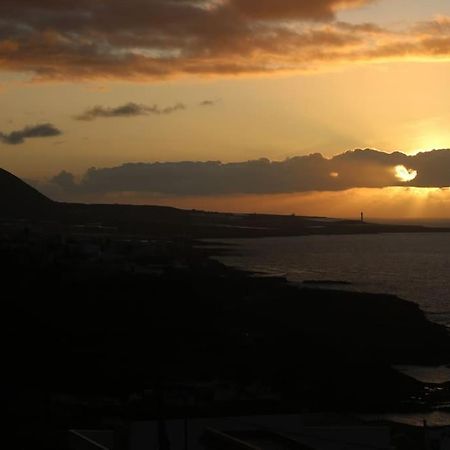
{"x":234,"y":80}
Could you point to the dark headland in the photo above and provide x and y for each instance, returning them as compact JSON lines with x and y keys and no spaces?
{"x":113,"y":314}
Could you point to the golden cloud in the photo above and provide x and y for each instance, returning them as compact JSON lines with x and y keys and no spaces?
{"x":154,"y":39}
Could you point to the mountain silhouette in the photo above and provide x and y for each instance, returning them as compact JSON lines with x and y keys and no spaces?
{"x":19,"y":200}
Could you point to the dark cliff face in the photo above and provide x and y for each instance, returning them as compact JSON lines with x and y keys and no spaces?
{"x":19,"y":200}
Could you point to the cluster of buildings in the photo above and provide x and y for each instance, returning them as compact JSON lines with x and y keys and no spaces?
{"x":88,"y":245}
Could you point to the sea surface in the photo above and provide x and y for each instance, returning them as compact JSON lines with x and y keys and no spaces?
{"x":412,"y":266}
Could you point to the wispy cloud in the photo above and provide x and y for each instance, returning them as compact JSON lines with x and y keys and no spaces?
{"x":29,"y":132}
{"x":208,"y":102}
{"x":127,"y":110}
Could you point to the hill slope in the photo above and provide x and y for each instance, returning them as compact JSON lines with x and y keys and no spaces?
{"x":19,"y":200}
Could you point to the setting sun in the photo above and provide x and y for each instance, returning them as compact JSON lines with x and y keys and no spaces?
{"x":405,"y":175}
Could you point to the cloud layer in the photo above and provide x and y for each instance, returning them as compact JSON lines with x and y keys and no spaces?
{"x":153,"y":39}
{"x":29,"y":132}
{"x":353,"y":169}
{"x":127,"y":110}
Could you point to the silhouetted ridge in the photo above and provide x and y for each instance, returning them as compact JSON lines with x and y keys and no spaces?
{"x":19,"y":200}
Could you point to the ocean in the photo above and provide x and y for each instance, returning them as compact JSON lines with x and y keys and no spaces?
{"x":414,"y":267}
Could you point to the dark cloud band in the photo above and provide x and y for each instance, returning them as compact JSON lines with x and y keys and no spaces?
{"x":359,"y":168}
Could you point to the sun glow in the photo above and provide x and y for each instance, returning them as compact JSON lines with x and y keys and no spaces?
{"x":405,"y":175}
{"x":434,"y":139}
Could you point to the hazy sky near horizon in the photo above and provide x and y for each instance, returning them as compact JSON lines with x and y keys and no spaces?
{"x":104,"y":83}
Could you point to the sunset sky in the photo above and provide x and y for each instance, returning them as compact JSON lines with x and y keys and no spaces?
{"x":108,"y":83}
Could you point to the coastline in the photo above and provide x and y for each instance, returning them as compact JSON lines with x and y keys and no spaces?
{"x":434,"y":377}
{"x":124,"y":322}
{"x":410,"y":266}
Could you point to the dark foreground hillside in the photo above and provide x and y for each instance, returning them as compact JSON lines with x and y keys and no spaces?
{"x":97,"y":330}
